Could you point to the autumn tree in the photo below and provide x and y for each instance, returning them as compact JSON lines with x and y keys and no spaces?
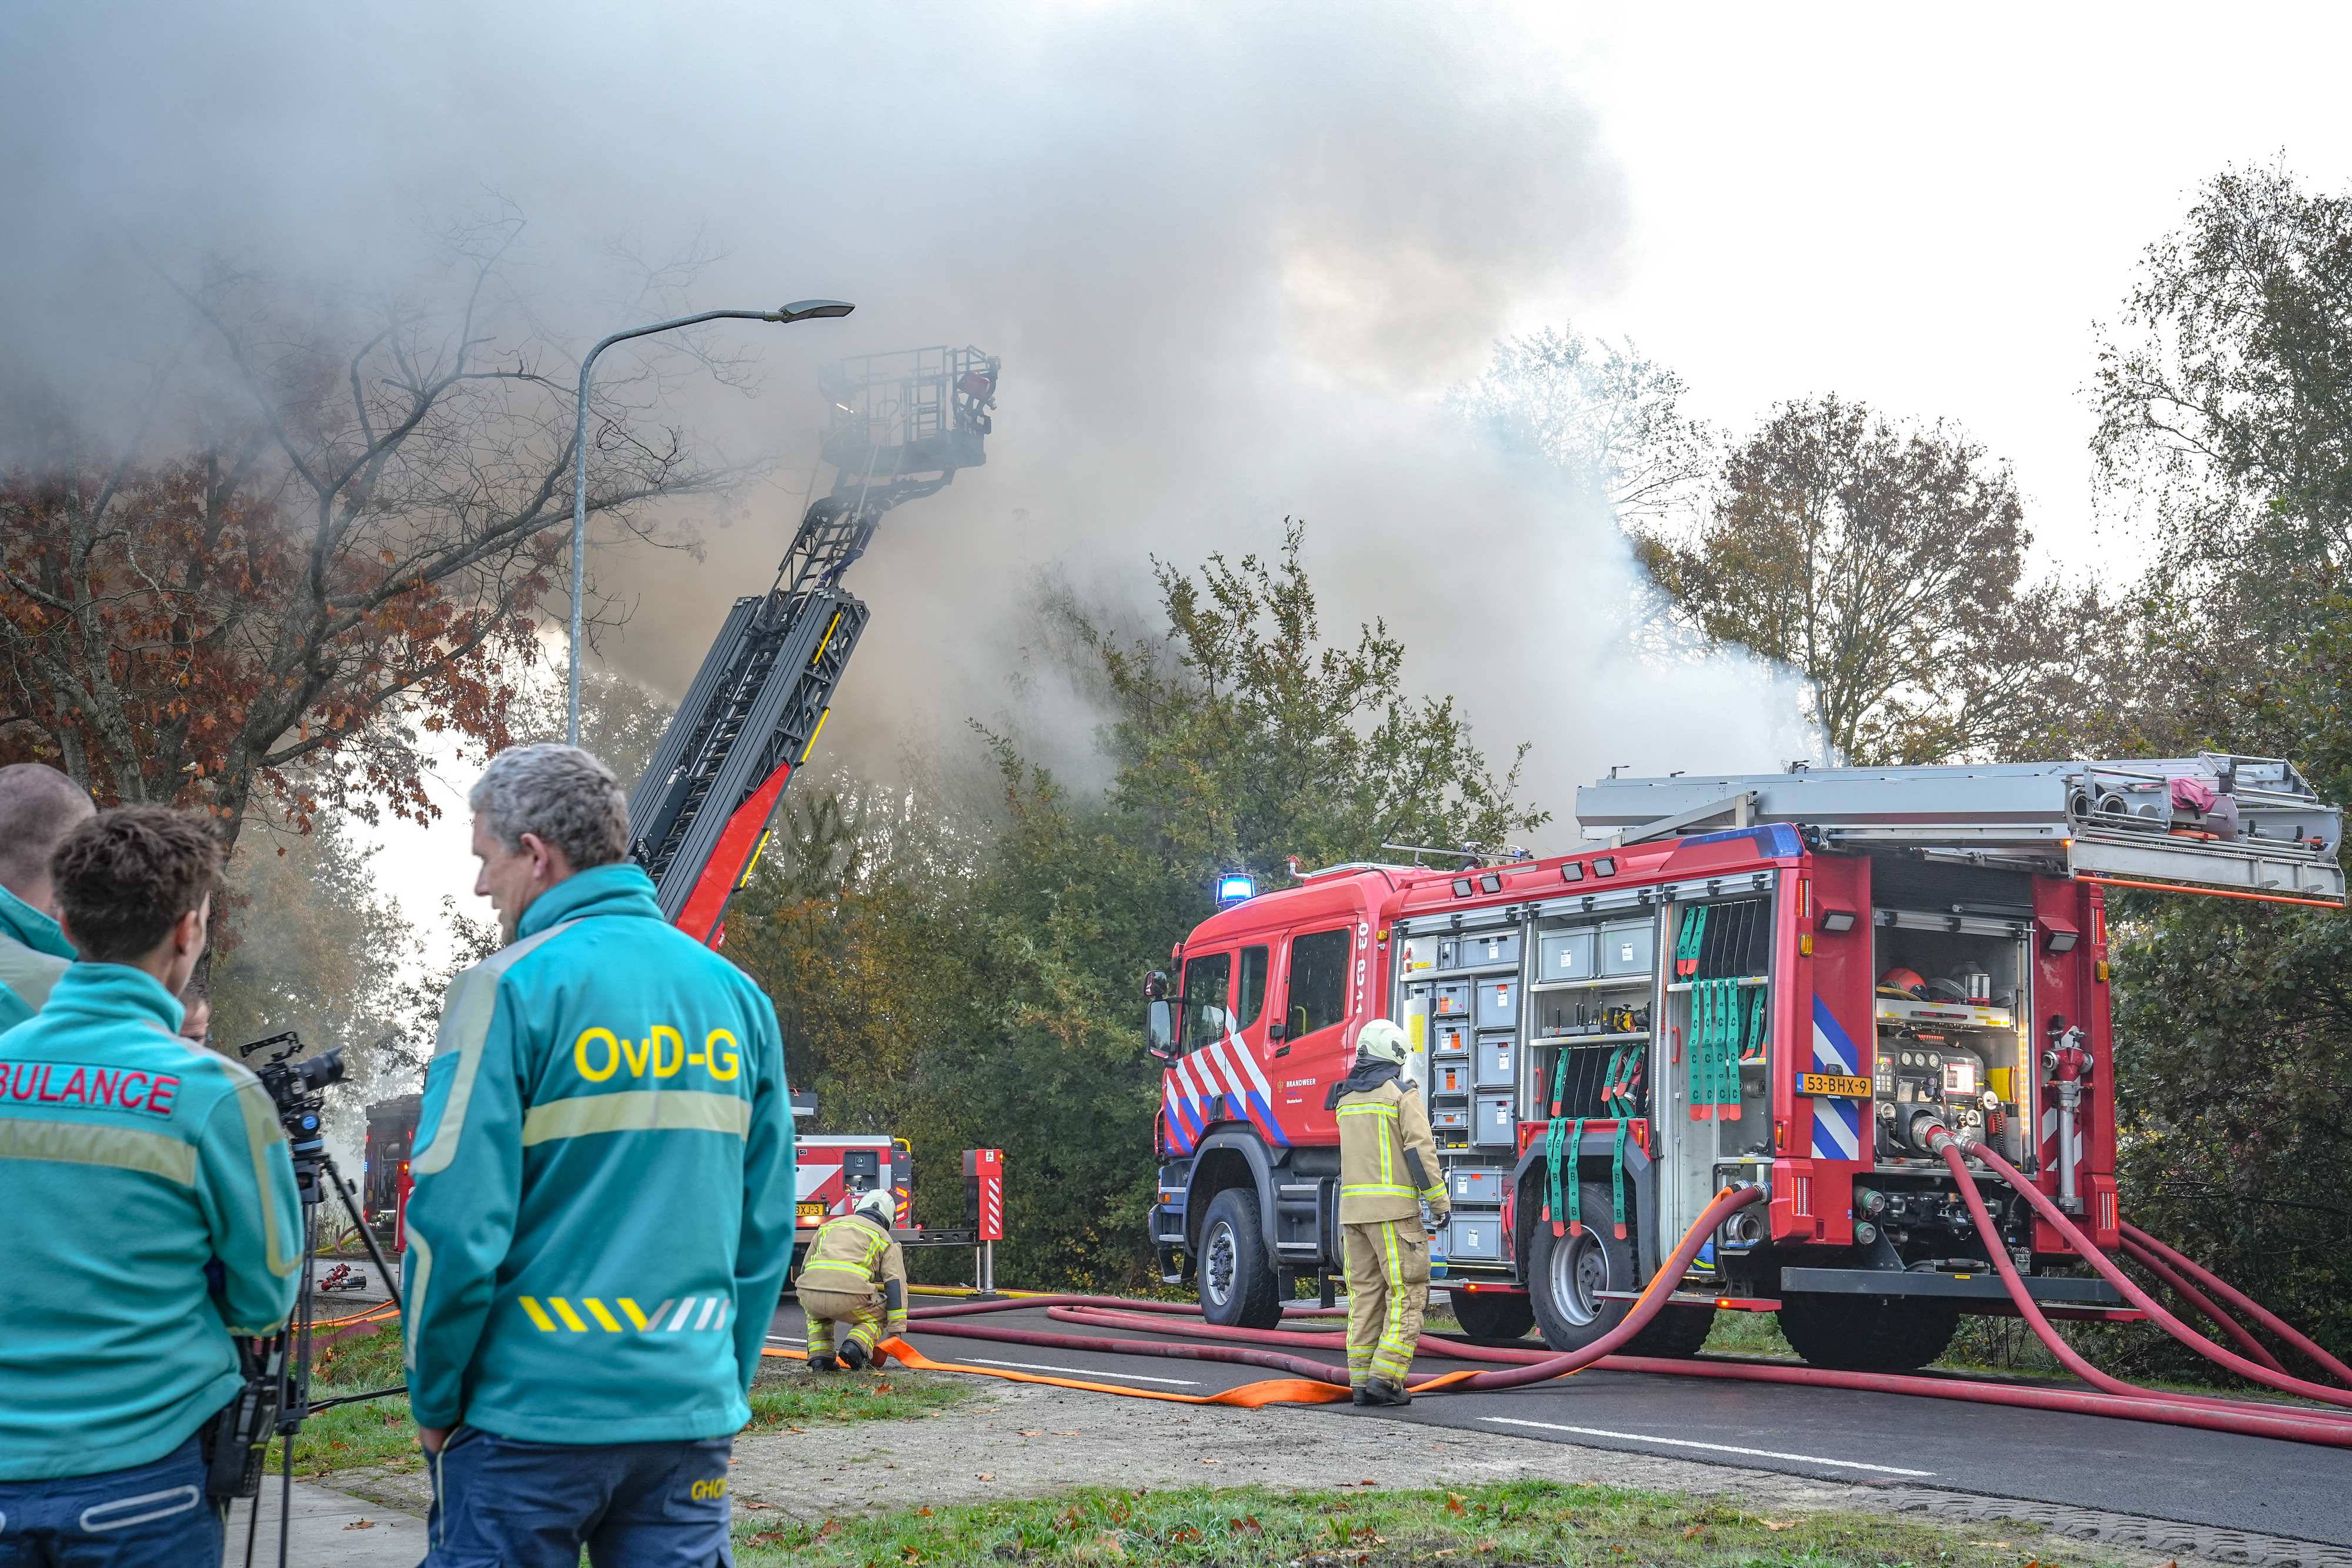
{"x":1887,"y":564}
{"x":340,"y":556}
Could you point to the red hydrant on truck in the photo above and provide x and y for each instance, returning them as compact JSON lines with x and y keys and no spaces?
{"x":1802,"y":982}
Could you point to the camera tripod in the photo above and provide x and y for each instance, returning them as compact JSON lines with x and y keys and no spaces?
{"x":277,"y":1398}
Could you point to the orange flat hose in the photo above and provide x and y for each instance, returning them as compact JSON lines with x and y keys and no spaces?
{"x":1249,"y":1396}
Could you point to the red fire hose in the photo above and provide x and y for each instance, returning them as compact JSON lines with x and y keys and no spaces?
{"x":2115,"y":1398}
{"x":2089,"y":1252}
{"x":2202,"y":1304}
{"x":2278,"y":1327}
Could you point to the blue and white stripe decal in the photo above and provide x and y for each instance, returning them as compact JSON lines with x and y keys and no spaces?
{"x":1837,"y":1122}
{"x":1207,"y":1086}
{"x":1833,"y":1050}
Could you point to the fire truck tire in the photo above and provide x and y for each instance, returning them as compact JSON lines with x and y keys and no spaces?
{"x":1234,"y":1276}
{"x":1567,"y":1273}
{"x":1493,"y":1314}
{"x":1675,"y":1333}
{"x":1868,"y":1333}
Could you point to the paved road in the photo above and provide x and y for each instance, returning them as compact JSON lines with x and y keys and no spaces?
{"x":2129,"y":1466}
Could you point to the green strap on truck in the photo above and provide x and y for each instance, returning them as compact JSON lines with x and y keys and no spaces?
{"x":1552,"y":1201}
{"x":1575,"y":1187}
{"x":1620,"y":1105}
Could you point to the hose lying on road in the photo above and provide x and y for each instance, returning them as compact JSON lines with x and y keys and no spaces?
{"x":2142,"y":1405}
{"x":2113,"y":1397}
{"x":2089,"y":1252}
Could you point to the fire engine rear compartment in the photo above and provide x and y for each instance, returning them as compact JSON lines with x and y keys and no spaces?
{"x":1610,"y":1060}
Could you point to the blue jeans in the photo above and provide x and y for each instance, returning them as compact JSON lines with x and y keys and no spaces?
{"x":500,"y":1502}
{"x":149,"y":1516}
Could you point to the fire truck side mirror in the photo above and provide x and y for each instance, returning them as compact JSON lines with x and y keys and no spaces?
{"x":1160,"y":1028}
{"x":1155,"y":984}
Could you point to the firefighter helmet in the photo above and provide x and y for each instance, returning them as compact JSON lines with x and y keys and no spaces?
{"x":1902,"y":982}
{"x":874,"y":1205}
{"x":1381,"y":1041}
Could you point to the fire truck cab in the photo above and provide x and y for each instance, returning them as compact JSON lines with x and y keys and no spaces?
{"x":1784,"y":982}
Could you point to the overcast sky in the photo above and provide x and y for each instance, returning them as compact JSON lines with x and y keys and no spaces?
{"x":1232,"y":256}
{"x":1927,"y":207}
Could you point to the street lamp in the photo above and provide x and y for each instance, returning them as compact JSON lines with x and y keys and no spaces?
{"x":799,"y":310}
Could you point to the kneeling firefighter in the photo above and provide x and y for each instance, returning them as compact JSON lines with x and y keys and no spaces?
{"x":854,"y":1274}
{"x":1388,"y":1171}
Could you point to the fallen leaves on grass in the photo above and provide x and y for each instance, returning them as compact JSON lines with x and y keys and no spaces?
{"x":1454,"y":1503}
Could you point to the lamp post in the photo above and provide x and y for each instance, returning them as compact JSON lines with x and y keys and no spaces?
{"x":799,"y":310}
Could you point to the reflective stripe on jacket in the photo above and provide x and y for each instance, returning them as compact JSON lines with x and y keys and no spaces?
{"x":34,"y":954}
{"x":853,"y":1255}
{"x":1376,"y":1127}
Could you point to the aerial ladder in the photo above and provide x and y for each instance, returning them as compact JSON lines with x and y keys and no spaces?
{"x":898,"y":426}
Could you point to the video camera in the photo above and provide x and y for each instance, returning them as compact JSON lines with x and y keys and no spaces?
{"x":297,"y":1088}
{"x":276,"y":1396}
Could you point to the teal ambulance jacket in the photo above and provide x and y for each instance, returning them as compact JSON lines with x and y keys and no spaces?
{"x":130,"y":1159}
{"x":33,"y":953}
{"x":603,"y":1212}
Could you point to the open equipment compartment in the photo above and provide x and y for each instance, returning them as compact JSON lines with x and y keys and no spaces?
{"x":1462,"y":988}
{"x":1952,"y":954}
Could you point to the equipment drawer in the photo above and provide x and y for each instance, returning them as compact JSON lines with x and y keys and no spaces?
{"x":1498,"y":1057}
{"x":1453,"y":1038}
{"x":1449,"y":1078}
{"x":1476,"y":1187}
{"x":1452,"y":998}
{"x":1480,"y":950}
{"x":1492,"y":1124}
{"x":1449,"y":1118}
{"x":1474,"y":1237}
{"x":1629,"y":947}
{"x":1498,"y":1004}
{"x":1565,"y":955}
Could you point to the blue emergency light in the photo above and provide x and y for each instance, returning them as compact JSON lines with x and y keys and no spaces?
{"x":1235,"y":886}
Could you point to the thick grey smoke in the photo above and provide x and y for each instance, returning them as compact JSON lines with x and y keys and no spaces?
{"x":1231,"y":256}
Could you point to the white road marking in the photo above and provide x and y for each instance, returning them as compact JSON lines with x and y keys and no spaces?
{"x":1082,"y":1372}
{"x":1712,"y":1448}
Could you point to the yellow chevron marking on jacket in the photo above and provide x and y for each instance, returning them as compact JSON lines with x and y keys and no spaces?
{"x":604,"y":1320}
{"x":537,"y":1315}
{"x":636,"y":1317}
{"x":636,"y":1111}
{"x":123,"y":1148}
{"x":571,"y":1318}
{"x":465,"y":1016}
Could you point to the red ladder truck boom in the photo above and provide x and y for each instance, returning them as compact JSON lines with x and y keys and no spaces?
{"x":900,"y":427}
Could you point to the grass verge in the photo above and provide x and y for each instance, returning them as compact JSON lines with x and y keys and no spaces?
{"x":795,"y":1398}
{"x":1511,"y":1522}
{"x":380,"y":1433}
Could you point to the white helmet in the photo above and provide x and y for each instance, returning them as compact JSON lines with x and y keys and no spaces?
{"x":875,"y":1205}
{"x":1381,"y":1041}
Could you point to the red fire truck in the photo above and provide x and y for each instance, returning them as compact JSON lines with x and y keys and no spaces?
{"x":1784,"y":982}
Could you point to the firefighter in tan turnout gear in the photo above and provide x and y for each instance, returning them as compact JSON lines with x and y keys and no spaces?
{"x":1388,"y":1170}
{"x":854,"y":1274}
